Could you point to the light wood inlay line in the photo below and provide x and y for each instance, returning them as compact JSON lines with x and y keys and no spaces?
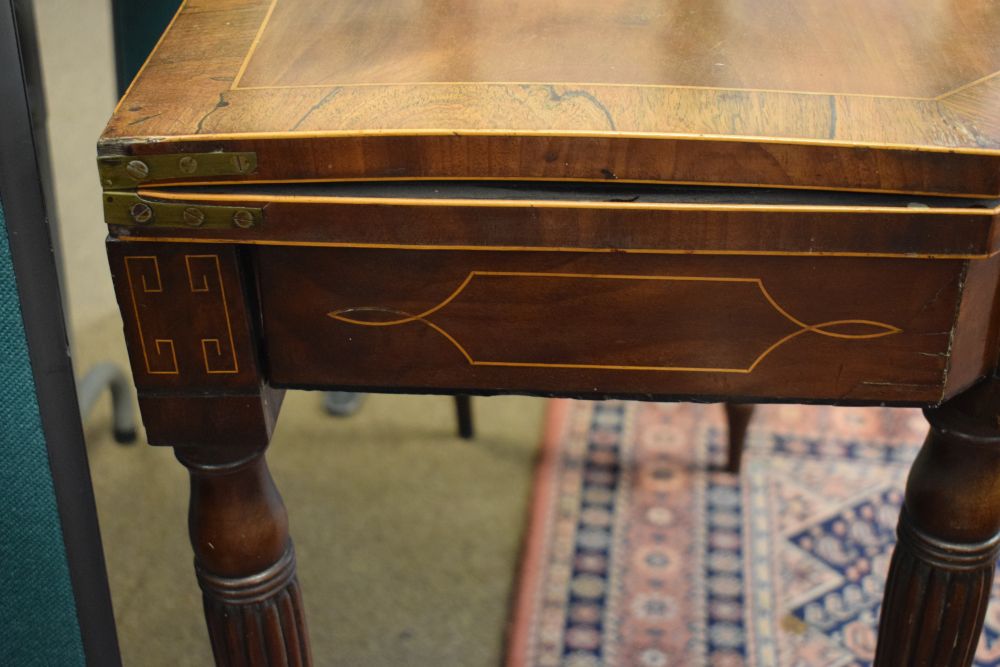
{"x":971,"y":84}
{"x":253,"y":46}
{"x":206,"y":342}
{"x":625,"y":251}
{"x":879,"y":329}
{"x":584,"y":84}
{"x":555,"y":203}
{"x":158,"y":342}
{"x":603,"y":134}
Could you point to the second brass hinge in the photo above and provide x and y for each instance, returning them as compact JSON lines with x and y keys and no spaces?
{"x":130,"y":210}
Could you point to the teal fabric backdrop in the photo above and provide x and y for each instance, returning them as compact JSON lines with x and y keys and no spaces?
{"x":38,"y":621}
{"x":138,"y":26}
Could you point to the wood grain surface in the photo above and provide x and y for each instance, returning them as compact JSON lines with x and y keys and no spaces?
{"x":899,"y":95}
{"x":609,"y":219}
{"x":808,"y":46}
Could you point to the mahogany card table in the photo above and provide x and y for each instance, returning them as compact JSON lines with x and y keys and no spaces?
{"x":710,"y":200}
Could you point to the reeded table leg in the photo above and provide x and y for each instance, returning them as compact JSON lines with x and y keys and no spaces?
{"x":189,"y":324}
{"x":244,"y":559}
{"x":949,"y":532}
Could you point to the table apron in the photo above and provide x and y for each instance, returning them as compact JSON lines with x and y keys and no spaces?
{"x":827,"y":329}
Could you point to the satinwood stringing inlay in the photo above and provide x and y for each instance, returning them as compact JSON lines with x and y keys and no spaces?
{"x":662,"y":337}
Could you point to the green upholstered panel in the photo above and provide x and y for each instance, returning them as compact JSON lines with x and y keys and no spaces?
{"x":38,"y":621}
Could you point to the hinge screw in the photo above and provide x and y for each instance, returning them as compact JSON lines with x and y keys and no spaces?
{"x":242,"y":163}
{"x":137,"y":169}
{"x":188,"y":164}
{"x":243,"y":219}
{"x":194,"y":216}
{"x":141,"y":213}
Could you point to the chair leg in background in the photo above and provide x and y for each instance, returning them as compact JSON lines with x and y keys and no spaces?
{"x":738,"y":417}
{"x":90,"y":388}
{"x":342,"y":403}
{"x":463,"y":412}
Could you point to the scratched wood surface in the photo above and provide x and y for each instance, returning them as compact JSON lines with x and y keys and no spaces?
{"x":900,"y":95}
{"x":780,"y":328}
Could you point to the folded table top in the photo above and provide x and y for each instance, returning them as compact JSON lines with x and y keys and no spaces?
{"x":892,"y":96}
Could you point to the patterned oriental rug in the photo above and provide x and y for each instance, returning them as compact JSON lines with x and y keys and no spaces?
{"x":642,"y":553}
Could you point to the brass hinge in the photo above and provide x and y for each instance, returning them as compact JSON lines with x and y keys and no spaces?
{"x":127,"y":171}
{"x":129,"y":209}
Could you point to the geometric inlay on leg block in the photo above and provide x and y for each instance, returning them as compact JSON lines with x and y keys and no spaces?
{"x":185,"y":316}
